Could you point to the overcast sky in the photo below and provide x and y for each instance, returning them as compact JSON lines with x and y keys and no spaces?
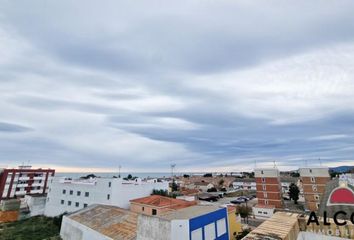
{"x":208,"y":85}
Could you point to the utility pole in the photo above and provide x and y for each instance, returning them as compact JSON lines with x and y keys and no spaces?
{"x":119,"y":167}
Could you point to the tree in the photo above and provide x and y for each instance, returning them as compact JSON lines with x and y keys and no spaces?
{"x":160,"y":192}
{"x":244,"y":211}
{"x":294,"y":192}
{"x":129,"y":176}
{"x":174,"y":186}
{"x":208,"y":175}
{"x":186,"y":175}
{"x":221,"y":182}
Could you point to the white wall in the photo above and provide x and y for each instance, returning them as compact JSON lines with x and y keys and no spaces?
{"x":35,"y":204}
{"x":313,"y":236}
{"x":179,"y":229}
{"x":153,"y":228}
{"x":119,"y":194}
{"x":72,"y":230}
{"x":314,"y":172}
{"x":267,"y":172}
{"x":262,"y":213}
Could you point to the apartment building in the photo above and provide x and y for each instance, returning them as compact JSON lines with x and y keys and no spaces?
{"x":314,"y":180}
{"x":68,"y":195}
{"x":269,"y":189}
{"x":21,"y":181}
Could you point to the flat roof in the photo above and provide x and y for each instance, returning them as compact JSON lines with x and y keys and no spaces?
{"x":190,"y":212}
{"x":277,"y":227}
{"x":111,"y":221}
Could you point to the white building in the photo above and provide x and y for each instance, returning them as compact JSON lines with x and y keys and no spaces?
{"x":66,"y":195}
{"x":347,"y":177}
{"x":245,"y":184}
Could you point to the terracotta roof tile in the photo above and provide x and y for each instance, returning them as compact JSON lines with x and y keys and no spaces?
{"x":163,"y":202}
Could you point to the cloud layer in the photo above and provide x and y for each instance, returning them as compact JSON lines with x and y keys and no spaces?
{"x":208,"y":85}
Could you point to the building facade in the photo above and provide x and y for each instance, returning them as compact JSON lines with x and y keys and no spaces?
{"x":245,"y":184}
{"x":158,"y":205}
{"x":18,"y":182}
{"x":314,"y":180}
{"x":269,"y":189}
{"x":67,"y":195}
{"x":192,"y":223}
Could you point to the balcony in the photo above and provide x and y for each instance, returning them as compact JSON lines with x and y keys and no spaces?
{"x":20,"y":192}
{"x":22,"y":185}
{"x":23,"y":178}
{"x":36,"y":191}
{"x":39,"y":178}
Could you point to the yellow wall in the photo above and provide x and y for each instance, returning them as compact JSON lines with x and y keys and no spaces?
{"x":234,"y":225}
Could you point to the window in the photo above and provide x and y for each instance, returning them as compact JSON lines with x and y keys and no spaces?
{"x":317,"y":197}
{"x":221,"y":226}
{"x":64,"y":191}
{"x":262,"y":172}
{"x":265,"y":213}
{"x":47,"y":199}
{"x":314,"y":188}
{"x":143,"y":209}
{"x":78,"y":193}
{"x":71,"y":192}
{"x":260,"y":212}
{"x":197,"y":234}
{"x":62,"y":202}
{"x":266,"y":202}
{"x":263,"y":187}
{"x":263,"y":179}
{"x":312,"y":179}
{"x":109,"y":184}
{"x":69,"y":203}
{"x":77,"y":204}
{"x":317,"y":205}
{"x":265,"y":195}
{"x":154,"y":212}
{"x":87,"y":194}
{"x":40,"y":181}
{"x":85,"y":205}
{"x":310,"y":170}
{"x":209,"y":231}
{"x":108,"y":196}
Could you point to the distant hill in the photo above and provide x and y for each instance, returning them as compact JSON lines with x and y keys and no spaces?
{"x":341,"y":169}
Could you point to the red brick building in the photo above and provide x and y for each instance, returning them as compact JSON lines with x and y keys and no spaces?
{"x":18,"y":182}
{"x":269,"y":191}
{"x":314,"y":180}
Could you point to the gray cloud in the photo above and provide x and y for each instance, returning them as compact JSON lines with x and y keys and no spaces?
{"x":201,"y":83}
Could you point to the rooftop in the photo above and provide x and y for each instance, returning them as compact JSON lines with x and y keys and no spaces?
{"x":190,"y":212}
{"x":277,"y":227}
{"x":114,"y":222}
{"x":163,"y":202}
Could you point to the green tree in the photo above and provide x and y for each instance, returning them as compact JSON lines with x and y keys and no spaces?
{"x":129,"y":176}
{"x":294,"y":192}
{"x":244,"y":211}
